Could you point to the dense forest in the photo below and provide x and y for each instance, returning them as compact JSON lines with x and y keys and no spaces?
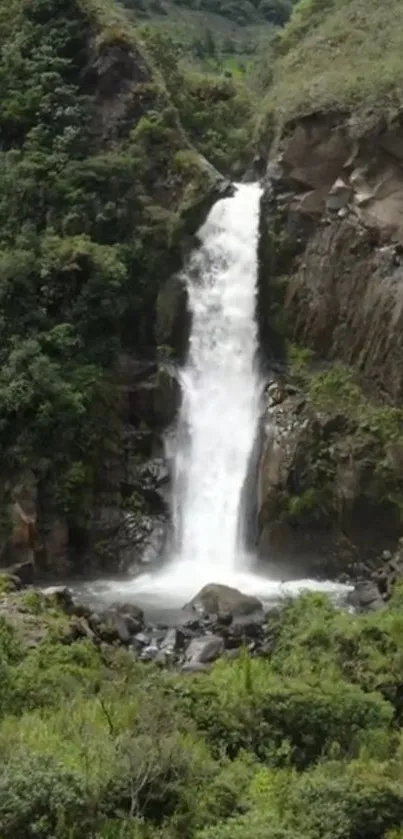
{"x":93,"y":201}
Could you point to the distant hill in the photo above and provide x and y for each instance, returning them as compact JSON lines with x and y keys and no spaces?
{"x":215,"y":34}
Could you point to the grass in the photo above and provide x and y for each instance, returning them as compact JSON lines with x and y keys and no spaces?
{"x":340,"y":55}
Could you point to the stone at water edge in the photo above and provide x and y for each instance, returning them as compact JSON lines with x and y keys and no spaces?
{"x":121,"y":622}
{"x":24,"y":571}
{"x":174,"y":640}
{"x":63,"y":597}
{"x":366,"y":597}
{"x":216,"y":599}
{"x":204,"y":650}
{"x":129,"y":610}
{"x":149,"y":653}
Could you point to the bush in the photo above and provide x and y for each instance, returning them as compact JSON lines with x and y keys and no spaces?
{"x":40,"y":797}
{"x":304,"y":744}
{"x":352,"y":802}
{"x":281,"y":721}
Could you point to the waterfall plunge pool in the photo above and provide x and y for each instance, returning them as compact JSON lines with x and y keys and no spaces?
{"x":222,"y":391}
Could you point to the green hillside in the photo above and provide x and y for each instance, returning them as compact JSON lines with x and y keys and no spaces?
{"x":215,"y":34}
{"x":344,"y":55}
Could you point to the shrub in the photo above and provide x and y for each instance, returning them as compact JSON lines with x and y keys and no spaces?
{"x":281,"y":721}
{"x":39,"y":796}
{"x":349,"y":802}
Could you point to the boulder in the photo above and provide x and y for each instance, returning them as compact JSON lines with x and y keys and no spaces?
{"x":205,"y":649}
{"x":216,"y":599}
{"x":366,"y":597}
{"x":24,"y":571}
{"x":79,"y":628}
{"x":129,"y":610}
{"x":174,"y":640}
{"x":62,"y":597}
{"x":122,"y":628}
{"x":149,"y":653}
{"x":245,"y":629}
{"x":140,"y":641}
{"x":121,"y":622}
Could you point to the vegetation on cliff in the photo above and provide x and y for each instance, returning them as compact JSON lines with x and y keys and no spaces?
{"x":341,"y":463}
{"x":98,"y":181}
{"x":342,"y":56}
{"x":216,"y":112}
{"x":306,"y":741}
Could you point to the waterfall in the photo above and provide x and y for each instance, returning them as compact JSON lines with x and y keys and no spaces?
{"x":221,"y":390}
{"x":218,"y":420}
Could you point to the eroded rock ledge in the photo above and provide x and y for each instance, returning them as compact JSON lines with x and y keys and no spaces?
{"x":334,"y":221}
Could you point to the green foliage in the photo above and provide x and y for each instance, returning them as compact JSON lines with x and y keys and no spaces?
{"x":215,"y":112}
{"x":85,"y":237}
{"x":6,"y":584}
{"x":328,"y":61}
{"x":306,"y":742}
{"x":40,"y":796}
{"x":299,"y":359}
{"x":266,"y":715}
{"x":345,"y":426}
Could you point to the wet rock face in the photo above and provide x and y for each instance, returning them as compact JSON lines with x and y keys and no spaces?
{"x":172,"y":326}
{"x":130,"y":522}
{"x":204,"y":650}
{"x":344,"y":301}
{"x":331,"y":279}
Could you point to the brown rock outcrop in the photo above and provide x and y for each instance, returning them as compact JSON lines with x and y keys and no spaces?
{"x":336,"y":206}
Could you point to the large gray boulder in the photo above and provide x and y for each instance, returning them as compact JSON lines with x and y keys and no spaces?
{"x":216,"y":599}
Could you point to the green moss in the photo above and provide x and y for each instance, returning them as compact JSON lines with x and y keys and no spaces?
{"x":307,"y":502}
{"x":34,"y":602}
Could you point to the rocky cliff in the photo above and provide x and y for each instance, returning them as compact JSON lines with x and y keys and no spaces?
{"x":330,"y":289}
{"x":330,"y":311}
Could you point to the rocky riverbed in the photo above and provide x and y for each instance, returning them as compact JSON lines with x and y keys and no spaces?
{"x":219,"y":621}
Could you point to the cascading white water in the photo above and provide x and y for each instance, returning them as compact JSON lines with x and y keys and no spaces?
{"x":218,"y":418}
{"x":221,"y":389}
